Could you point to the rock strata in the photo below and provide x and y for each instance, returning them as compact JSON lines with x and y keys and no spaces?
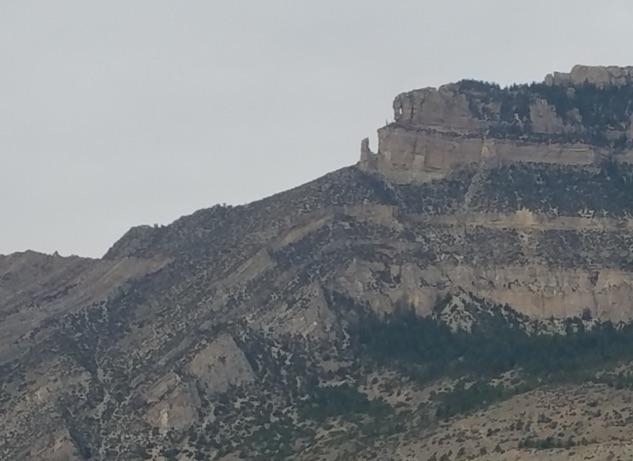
{"x":559,"y":121}
{"x":463,"y":293}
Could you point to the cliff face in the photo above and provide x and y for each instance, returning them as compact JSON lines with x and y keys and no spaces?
{"x":570,"y":119}
{"x":485,"y":250}
{"x":541,"y":150}
{"x":600,"y":76}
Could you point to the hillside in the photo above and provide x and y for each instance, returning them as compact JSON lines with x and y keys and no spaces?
{"x":462,"y":293}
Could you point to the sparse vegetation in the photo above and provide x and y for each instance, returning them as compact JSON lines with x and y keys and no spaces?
{"x":426,"y":349}
{"x":341,"y":400}
{"x":591,"y":112}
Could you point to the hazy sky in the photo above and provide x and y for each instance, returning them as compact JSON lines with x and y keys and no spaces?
{"x":124,"y":112}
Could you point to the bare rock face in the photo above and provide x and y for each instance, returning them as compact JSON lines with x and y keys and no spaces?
{"x":600,"y":76}
{"x":444,"y":109}
{"x":558,"y":121}
{"x":544,"y":119}
{"x":220,"y":365}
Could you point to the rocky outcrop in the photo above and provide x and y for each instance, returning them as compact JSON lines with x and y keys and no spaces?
{"x":601,"y":76}
{"x":220,"y":365}
{"x":559,"y":121}
{"x":445,"y":109}
{"x":420,"y":155}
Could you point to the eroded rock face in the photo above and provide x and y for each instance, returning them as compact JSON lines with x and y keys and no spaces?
{"x":420,"y":156}
{"x":220,"y":365}
{"x":559,"y":121}
{"x":544,"y":119}
{"x":444,"y":109}
{"x":595,"y":75}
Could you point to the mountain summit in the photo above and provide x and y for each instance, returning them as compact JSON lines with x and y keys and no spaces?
{"x":570,"y":119}
{"x":464,"y":292}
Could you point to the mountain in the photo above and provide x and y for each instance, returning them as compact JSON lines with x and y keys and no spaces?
{"x":462,"y":293}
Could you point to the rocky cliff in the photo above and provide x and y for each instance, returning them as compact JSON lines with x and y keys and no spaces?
{"x":570,"y":119}
{"x":453,"y":296}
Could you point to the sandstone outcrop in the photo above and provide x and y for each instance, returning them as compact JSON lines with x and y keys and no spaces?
{"x":558,"y":121}
{"x":595,"y":75}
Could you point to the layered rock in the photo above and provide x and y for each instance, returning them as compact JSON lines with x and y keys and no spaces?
{"x":38,"y":289}
{"x":243,"y":332}
{"x":570,"y":119}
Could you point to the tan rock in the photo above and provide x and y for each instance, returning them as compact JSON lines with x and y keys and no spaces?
{"x":221,"y":364}
{"x":412,"y":155}
{"x":176,"y":410}
{"x":544,"y":118}
{"x":597,"y":75}
{"x":444,"y":109}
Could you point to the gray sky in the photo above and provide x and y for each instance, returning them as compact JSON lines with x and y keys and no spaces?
{"x":124,"y":112}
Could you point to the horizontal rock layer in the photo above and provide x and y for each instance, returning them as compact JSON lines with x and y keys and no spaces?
{"x":576,"y":118}
{"x":243,"y":332}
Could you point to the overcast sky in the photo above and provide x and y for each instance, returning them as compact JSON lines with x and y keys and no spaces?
{"x":124,"y":112}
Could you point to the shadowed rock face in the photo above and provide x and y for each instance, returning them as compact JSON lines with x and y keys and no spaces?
{"x":250,"y":331}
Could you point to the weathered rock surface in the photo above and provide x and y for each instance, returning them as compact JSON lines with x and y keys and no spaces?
{"x":595,"y":75}
{"x":37,"y":289}
{"x":575,"y":119}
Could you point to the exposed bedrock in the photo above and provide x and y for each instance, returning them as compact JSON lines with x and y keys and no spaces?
{"x":576,"y":118}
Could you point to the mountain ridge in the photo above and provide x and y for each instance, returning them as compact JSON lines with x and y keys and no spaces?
{"x":407,"y":307}
{"x":578,"y":118}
